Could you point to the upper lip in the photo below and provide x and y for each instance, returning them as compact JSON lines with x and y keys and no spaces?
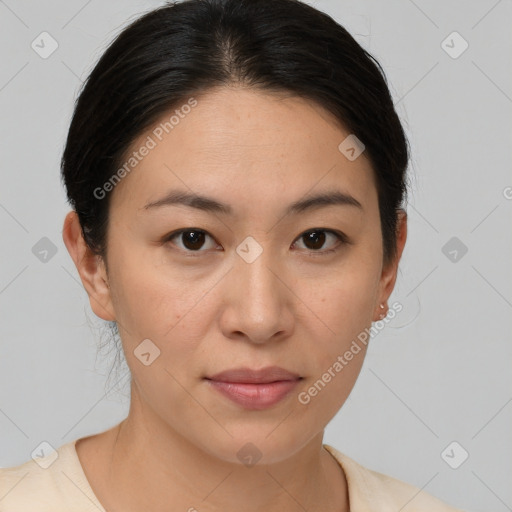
{"x":250,"y":376}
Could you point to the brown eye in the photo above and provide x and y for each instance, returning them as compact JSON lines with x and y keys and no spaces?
{"x":315,"y":239}
{"x":191,"y":240}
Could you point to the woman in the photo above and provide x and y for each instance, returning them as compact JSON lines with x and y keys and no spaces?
{"x":236,"y":171}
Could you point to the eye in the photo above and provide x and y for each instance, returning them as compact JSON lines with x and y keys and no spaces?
{"x":191,"y":239}
{"x":316,"y":238}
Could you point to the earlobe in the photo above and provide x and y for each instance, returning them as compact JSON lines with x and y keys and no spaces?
{"x":90,"y":266}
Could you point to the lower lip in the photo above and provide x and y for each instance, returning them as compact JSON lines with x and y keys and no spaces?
{"x":255,"y":396}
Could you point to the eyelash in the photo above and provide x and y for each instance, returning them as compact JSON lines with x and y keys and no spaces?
{"x":342,"y":238}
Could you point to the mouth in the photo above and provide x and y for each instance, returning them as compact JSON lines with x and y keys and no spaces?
{"x":250,"y":376}
{"x":255,"y":389}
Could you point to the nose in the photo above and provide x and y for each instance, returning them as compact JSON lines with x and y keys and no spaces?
{"x":259,"y":301}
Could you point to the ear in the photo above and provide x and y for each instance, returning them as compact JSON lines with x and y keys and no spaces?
{"x":90,"y":266}
{"x":389,"y":271}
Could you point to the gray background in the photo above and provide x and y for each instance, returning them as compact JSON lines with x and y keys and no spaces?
{"x":439,"y":373}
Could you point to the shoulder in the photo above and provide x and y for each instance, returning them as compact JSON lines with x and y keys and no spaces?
{"x":373,"y":491}
{"x":53,"y":482}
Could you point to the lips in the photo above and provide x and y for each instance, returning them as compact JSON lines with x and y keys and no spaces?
{"x":254,"y":389}
{"x":250,"y":376}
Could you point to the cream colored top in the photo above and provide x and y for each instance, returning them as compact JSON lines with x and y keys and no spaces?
{"x":61,"y":486}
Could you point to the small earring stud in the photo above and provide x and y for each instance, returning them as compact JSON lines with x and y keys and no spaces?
{"x":382,"y":315}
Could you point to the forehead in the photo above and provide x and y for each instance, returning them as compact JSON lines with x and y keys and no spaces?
{"x":243,"y":145}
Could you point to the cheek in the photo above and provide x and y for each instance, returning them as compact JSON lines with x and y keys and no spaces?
{"x":154,"y":297}
{"x":338,"y":337}
{"x":345,"y":299}
{"x":334,"y":348}
{"x":164,"y":310}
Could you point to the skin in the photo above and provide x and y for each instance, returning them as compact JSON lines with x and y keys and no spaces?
{"x":291,"y":307}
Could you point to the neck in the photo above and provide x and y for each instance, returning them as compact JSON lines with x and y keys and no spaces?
{"x":148,"y":466}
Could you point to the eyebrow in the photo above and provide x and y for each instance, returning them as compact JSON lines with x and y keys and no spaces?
{"x":208,"y":204}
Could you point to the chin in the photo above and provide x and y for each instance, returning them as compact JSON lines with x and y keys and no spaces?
{"x":253,"y":445}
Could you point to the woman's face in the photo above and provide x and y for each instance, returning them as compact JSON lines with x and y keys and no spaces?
{"x":245,"y":286}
